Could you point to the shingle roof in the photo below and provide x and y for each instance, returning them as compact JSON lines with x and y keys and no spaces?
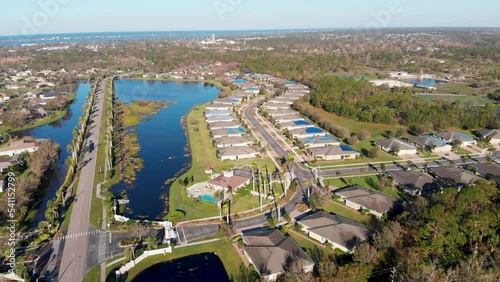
{"x":455,"y":175}
{"x":270,"y":251}
{"x":412,"y":179}
{"x":368,"y":198}
{"x":335,"y":228}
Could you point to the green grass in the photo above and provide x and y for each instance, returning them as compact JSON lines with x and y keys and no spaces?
{"x":458,"y":88}
{"x":308,"y":244}
{"x":337,"y":208}
{"x":204,"y":156}
{"x":225,"y":250}
{"x":94,"y":273}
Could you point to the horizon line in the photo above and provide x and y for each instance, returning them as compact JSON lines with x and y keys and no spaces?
{"x":275,"y":29}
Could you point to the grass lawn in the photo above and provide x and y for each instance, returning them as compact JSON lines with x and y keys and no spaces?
{"x":473,"y":99}
{"x":337,"y":208}
{"x":204,"y":156}
{"x":362,"y":181}
{"x":225,"y":250}
{"x":94,"y":273}
{"x":458,"y":88}
{"x":307,"y":243}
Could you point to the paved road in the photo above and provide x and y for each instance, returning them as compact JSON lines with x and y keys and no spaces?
{"x":74,"y":255}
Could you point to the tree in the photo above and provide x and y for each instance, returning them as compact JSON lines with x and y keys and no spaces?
{"x":317,"y":200}
{"x":363,"y":134}
{"x":138,"y":231}
{"x":246,"y":275}
{"x":382,"y":167}
{"x":226,"y":231}
{"x":45,"y":158}
{"x":374,"y":152}
{"x":388,"y":236}
{"x":366,"y":254}
{"x":152,"y":243}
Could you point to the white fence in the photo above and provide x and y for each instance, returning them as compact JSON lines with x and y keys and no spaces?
{"x":132,"y":263}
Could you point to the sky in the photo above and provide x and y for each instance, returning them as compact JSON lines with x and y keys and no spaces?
{"x":26,"y":17}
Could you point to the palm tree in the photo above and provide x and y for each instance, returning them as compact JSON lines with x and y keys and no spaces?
{"x":220,"y":196}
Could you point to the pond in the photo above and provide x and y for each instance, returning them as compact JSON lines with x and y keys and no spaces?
{"x":162,"y":140}
{"x":201,"y":267}
{"x":60,"y":131}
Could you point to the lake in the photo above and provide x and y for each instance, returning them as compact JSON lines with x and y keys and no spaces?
{"x":61,"y":132}
{"x":162,"y":139}
{"x":201,"y":267}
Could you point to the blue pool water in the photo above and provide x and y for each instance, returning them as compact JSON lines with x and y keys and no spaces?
{"x":208,"y":198}
{"x":290,"y":83}
{"x":239,"y":80}
{"x":426,"y":82}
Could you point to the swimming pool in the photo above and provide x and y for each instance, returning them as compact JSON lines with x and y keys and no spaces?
{"x":239,"y":80}
{"x":208,"y":198}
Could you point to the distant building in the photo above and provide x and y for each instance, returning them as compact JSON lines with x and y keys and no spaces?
{"x":319,"y":141}
{"x":282,"y":112}
{"x":276,"y":106}
{"x":307,"y":132}
{"x":227,"y":132}
{"x":222,"y":107}
{"x":269,"y":252}
{"x":288,"y":118}
{"x":225,"y":142}
{"x":296,"y":124}
{"x":218,"y":112}
{"x":219,"y":118}
{"x":488,"y":171}
{"x":223,"y":124}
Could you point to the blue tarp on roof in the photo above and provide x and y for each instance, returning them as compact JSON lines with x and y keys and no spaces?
{"x":314,"y":130}
{"x":301,"y":122}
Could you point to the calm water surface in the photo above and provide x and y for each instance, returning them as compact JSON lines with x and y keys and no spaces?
{"x":202,"y":267}
{"x":160,"y":137}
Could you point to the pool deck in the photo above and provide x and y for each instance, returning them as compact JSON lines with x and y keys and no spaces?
{"x":199,"y":189}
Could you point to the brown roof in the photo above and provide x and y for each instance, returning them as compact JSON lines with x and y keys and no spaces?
{"x":337,"y":229}
{"x":489,"y":169}
{"x":270,"y":251}
{"x":234,"y":181}
{"x":368,"y":198}
{"x":20,"y":144}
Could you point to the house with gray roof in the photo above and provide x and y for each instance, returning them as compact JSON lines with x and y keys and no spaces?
{"x":453,"y":176}
{"x":281,"y":112}
{"x":488,"y":171}
{"x":343,"y":233}
{"x":218,"y":118}
{"x":223,"y":124}
{"x":287,"y":118}
{"x":396,"y":146}
{"x":336,"y":152}
{"x":221,"y":107}
{"x":451,"y":136}
{"x":227,"y":132}
{"x":276,"y":106}
{"x":319,"y":141}
{"x":370,"y":200}
{"x":307,"y":132}
{"x":491,"y":134}
{"x":238,"y":153}
{"x":431,"y":143}
{"x":236,"y":141}
{"x":413,"y":182}
{"x":270,"y":252}
{"x":209,"y":113}
{"x":296,"y":124}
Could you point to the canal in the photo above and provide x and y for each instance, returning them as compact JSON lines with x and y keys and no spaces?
{"x":60,"y":131}
{"x":201,"y":267}
{"x":162,"y":139}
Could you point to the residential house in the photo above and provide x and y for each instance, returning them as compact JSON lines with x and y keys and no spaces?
{"x":38,"y":113}
{"x":19,"y":146}
{"x":285,"y":100}
{"x":495,"y":156}
{"x":276,"y":106}
{"x":221,"y":107}
{"x":227,"y":101}
{"x":269,"y":252}
{"x":238,"y":153}
{"x":4,"y":97}
{"x":488,"y":171}
{"x":340,"y":152}
{"x":453,"y":176}
{"x":219,"y":118}
{"x":209,"y":113}
{"x":4,"y":164}
{"x":14,"y":86}
{"x":343,"y":233}
{"x":225,"y":142}
{"x":296,"y":124}
{"x":287,"y":118}
{"x":227,"y":132}
{"x":49,"y":95}
{"x":396,"y":146}
{"x":307,"y":132}
{"x":282,"y":112}
{"x":414,"y":182}
{"x":431,"y":143}
{"x":493,"y":135}
{"x":227,"y":180}
{"x":223,"y":124}
{"x":369,"y":200}
{"x":319,"y":141}
{"x":452,"y":136}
